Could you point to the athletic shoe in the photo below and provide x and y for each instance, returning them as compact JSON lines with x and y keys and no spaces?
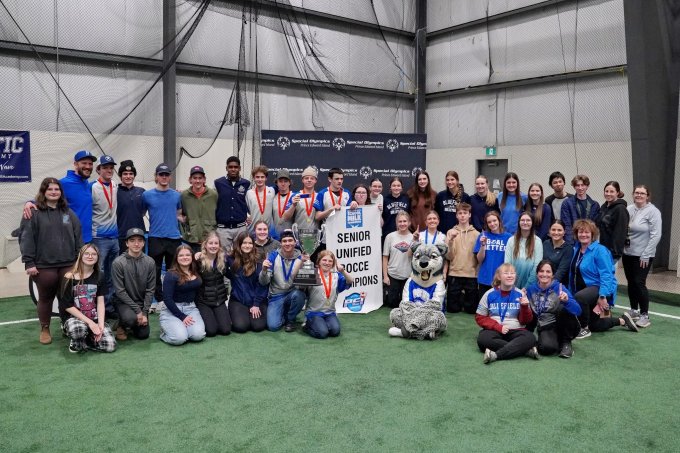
{"x":533,"y":353}
{"x":584,"y":333}
{"x":643,"y":321}
{"x":153,"y":308}
{"x":395,"y":332}
{"x":489,"y":356}
{"x":629,"y":323}
{"x":634,"y":314}
{"x":289,"y":327}
{"x":566,"y":351}
{"x":75,"y":347}
{"x":121,"y":335}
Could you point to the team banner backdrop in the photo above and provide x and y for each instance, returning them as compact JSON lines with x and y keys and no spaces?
{"x":15,"y":156}
{"x":362,"y":156}
{"x":354,"y":236}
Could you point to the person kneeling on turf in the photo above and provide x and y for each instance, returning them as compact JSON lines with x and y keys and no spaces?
{"x":279,"y":271}
{"x":321,"y":320}
{"x":134,"y":283}
{"x":502,"y":313}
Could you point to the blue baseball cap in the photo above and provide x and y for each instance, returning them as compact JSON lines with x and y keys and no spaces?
{"x":80,"y":155}
{"x":106,"y":160}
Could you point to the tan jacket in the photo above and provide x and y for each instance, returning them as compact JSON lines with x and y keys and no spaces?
{"x":462,"y":260}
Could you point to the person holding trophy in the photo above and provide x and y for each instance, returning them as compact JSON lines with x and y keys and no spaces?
{"x":321,"y":319}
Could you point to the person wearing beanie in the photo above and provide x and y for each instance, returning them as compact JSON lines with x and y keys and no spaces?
{"x":303,"y":201}
{"x":283,"y":208}
{"x":130,"y":212}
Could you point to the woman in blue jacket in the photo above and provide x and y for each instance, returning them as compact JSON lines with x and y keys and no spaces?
{"x":555,"y":311}
{"x":248,"y":300}
{"x":511,"y":201}
{"x":593,"y":283}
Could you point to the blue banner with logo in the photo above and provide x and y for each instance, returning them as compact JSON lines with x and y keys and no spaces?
{"x":15,"y":156}
{"x":362,"y":156}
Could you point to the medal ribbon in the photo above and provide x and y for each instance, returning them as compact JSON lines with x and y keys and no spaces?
{"x":278,"y":201}
{"x":309,"y":207}
{"x":109,"y":198}
{"x":327,"y":288}
{"x":262,"y":204}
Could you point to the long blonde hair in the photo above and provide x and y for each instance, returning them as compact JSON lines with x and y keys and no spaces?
{"x":78,"y":267}
{"x":207,"y":263}
{"x":490,"y":198}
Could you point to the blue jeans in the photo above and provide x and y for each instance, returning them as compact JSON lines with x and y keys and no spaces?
{"x":323,"y":326}
{"x":108,"y":251}
{"x":291,"y":303}
{"x":173,"y":330}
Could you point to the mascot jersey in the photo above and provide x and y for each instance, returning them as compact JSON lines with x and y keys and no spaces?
{"x":415,"y":293}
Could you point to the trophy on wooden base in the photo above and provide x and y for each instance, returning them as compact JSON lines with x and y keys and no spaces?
{"x":309,"y":240}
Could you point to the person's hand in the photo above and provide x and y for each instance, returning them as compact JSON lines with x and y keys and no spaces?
{"x":562,"y":294}
{"x":338,"y":207}
{"x":505,"y":329}
{"x":452,"y":234}
{"x":379,"y":206}
{"x":249,"y":220}
{"x":482,"y":240}
{"x":141,"y":319}
{"x":603,"y":303}
{"x":198,"y":256}
{"x":255,"y":312}
{"x":305,"y":257}
{"x":340,"y":268}
{"x":644,"y":262}
{"x":353,"y":205}
{"x":416,"y":233}
{"x":296,"y":199}
{"x":32,"y":271}
{"x":182,"y":218}
{"x":386,"y":280}
{"x":266,"y":264}
{"x":97,"y":330}
{"x":188,"y":321}
{"x":524,"y":300}
{"x":29,"y":206}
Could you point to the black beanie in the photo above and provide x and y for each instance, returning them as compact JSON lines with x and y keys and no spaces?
{"x":126,"y":165}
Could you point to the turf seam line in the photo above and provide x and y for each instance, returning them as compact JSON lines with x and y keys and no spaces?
{"x":21,"y":321}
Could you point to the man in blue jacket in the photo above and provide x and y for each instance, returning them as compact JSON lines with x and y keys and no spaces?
{"x":580,"y":206}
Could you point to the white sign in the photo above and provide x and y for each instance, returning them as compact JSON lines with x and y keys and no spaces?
{"x":354,"y":236}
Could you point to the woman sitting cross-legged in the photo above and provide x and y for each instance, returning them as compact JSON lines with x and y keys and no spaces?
{"x":555,"y":311}
{"x":503,"y":314}
{"x":321,"y":320}
{"x":82,"y":303}
{"x":180,"y":319}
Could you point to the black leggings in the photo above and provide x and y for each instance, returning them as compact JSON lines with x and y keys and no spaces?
{"x":128,"y":319}
{"x":461,"y":294}
{"x":587,"y":299}
{"x":637,"y":282}
{"x":515,"y":343}
{"x":394,"y":292}
{"x":241,"y":319}
{"x":552,"y":336}
{"x":216,"y":319}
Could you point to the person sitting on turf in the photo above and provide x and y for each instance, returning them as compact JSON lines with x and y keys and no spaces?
{"x":321,"y":320}
{"x":180,"y":319}
{"x":503,"y":314}
{"x":134,"y":283}
{"x":279,"y":271}
{"x":82,"y":304}
{"x":212,"y":296}
{"x":248,"y":300}
{"x":555,"y":311}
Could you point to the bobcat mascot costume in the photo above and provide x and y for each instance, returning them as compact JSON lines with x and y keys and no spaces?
{"x":419,"y":314}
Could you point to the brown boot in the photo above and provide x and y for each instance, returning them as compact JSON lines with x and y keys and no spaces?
{"x":120,"y":333}
{"x":45,"y":337}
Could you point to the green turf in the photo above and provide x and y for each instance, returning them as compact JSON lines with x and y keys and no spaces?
{"x":362,"y":391}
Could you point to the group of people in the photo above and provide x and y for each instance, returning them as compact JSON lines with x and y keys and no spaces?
{"x":518,"y":262}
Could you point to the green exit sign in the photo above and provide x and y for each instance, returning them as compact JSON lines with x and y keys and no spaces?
{"x":491,"y":150}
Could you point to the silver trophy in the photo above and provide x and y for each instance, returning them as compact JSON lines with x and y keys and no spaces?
{"x":309,"y":240}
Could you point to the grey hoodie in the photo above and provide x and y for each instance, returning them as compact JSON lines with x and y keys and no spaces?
{"x":644,"y":231}
{"x":50,"y":238}
{"x":134,"y":281}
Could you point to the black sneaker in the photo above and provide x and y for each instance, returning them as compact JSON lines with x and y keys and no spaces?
{"x":629,"y":323}
{"x":566,"y":351}
{"x":289,"y":327}
{"x":75,"y":347}
{"x":533,"y":353}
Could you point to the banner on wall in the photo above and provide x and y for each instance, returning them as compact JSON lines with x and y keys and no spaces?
{"x":354,"y":236}
{"x":15,"y":156}
{"x":362,"y":156}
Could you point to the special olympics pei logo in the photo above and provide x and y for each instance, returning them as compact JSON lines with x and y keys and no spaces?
{"x":392,"y":145}
{"x":338,"y":143}
{"x":416,"y":170}
{"x":283,"y":142}
{"x":366,"y":172}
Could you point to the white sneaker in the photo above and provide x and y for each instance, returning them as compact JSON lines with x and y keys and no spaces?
{"x":634,"y":314}
{"x":395,"y":332}
{"x":643,"y":321}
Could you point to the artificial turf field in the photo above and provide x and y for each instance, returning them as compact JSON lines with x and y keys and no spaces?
{"x":362,"y":391}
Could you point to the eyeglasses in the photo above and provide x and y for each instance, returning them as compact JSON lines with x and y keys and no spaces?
{"x":360,"y":193}
{"x":91,"y":254}
{"x":644,"y":194}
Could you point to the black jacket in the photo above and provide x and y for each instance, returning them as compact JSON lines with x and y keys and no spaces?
{"x":613,"y":224}
{"x":213,"y":291}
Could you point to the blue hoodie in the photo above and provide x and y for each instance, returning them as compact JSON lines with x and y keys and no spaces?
{"x":78,"y":193}
{"x":545,"y":303}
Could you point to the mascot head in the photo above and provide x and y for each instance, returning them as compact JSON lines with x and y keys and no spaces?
{"x":427,"y":263}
